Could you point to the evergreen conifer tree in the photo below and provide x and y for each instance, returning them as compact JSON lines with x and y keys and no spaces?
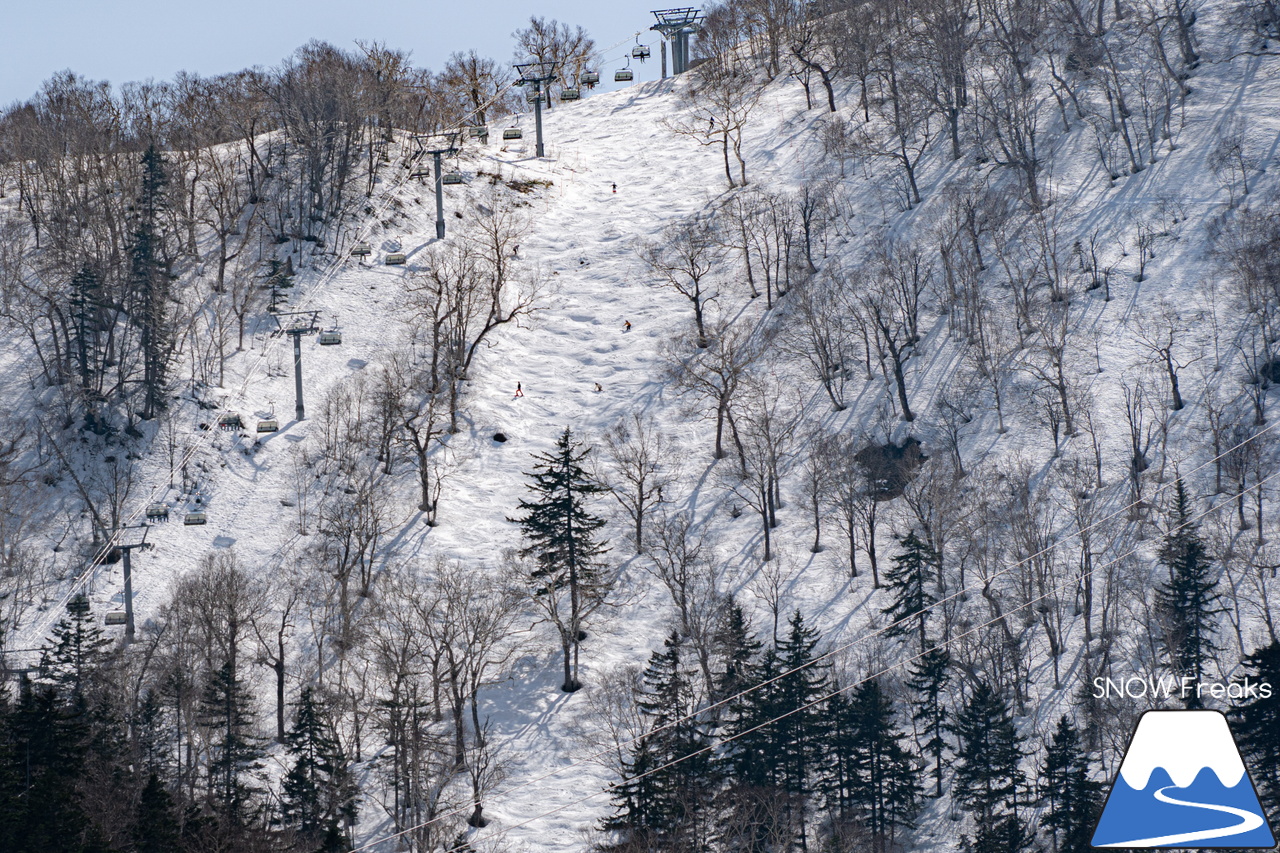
{"x":150,"y":281}
{"x":907,"y":580}
{"x":873,"y":778}
{"x":928,"y":677}
{"x":779,"y":735}
{"x":77,"y":650}
{"x":561,"y":537}
{"x":1188,"y":601}
{"x":1256,"y":723}
{"x":988,"y":779}
{"x":1072,"y":799}
{"x":737,"y":650}
{"x":225,"y":711}
{"x":318,"y":795}
{"x":155,"y":826}
{"x":664,"y":800}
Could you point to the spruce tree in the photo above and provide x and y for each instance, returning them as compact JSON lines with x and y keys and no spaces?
{"x":928,"y":677}
{"x":1256,"y":722}
{"x":155,"y":826}
{"x":77,"y":650}
{"x":988,"y":779}
{"x":665,"y":797}
{"x":225,"y":711}
{"x":1072,"y":800}
{"x":318,"y":795}
{"x":149,"y":281}
{"x":907,"y":580}
{"x":1188,"y":601}
{"x":872,"y":778}
{"x":561,"y":537}
{"x":737,"y":650}
{"x":779,"y":731}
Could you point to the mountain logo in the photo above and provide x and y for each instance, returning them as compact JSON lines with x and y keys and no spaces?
{"x":1182,"y":783}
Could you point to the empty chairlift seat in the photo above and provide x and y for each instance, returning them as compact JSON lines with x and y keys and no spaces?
{"x":115,"y":617}
{"x":420,"y":173}
{"x":329,"y":338}
{"x":478,"y":132}
{"x":197,"y":517}
{"x":452,"y":178}
{"x":513,"y":133}
{"x":230,"y":421}
{"x":395,"y":259}
{"x":157,"y":512}
{"x":570,"y":94}
{"x":590,"y":78}
{"x":531,"y":96}
{"x":361,"y":250}
{"x":623,"y":75}
{"x":269,"y":425}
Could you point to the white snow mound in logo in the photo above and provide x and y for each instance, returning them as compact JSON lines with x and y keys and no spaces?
{"x":1202,"y":740}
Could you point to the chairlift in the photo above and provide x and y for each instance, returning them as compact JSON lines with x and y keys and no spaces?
{"x":590,"y":78}
{"x":570,"y":95}
{"x":533,"y":96}
{"x":115,"y":617}
{"x":158,"y":512}
{"x":640,"y":52}
{"x":329,"y":338}
{"x":452,"y":178}
{"x":395,"y":259}
{"x":197,"y":517}
{"x":230,"y":421}
{"x":513,"y":133}
{"x":269,"y":425}
{"x":420,"y":173}
{"x":361,"y":250}
{"x":623,"y":75}
{"x":478,"y":132}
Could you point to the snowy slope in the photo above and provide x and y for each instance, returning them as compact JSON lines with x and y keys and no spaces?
{"x":582,"y":243}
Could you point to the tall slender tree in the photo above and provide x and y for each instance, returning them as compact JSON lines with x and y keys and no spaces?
{"x":1072,"y":800}
{"x":1188,"y":600}
{"x":560,"y":533}
{"x":908,"y":582}
{"x":988,"y":779}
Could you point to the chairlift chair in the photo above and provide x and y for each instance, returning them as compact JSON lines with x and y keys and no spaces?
{"x":329,"y":338}
{"x":513,"y":133}
{"x":395,"y":259}
{"x":269,"y":425}
{"x":158,"y":512}
{"x":533,"y":96}
{"x":478,"y":132}
{"x":197,"y":517}
{"x":115,"y":617}
{"x":361,"y":250}
{"x":452,"y":178}
{"x":230,"y":421}
{"x":420,"y":173}
{"x":640,"y":52}
{"x":590,"y":78}
{"x":623,"y":75}
{"x":570,"y":95}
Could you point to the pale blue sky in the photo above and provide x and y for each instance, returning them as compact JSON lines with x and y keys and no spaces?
{"x":121,"y":40}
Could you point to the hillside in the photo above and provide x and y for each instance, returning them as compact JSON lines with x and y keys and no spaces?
{"x":1128,"y":271}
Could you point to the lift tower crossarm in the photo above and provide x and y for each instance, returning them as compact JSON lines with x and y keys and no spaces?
{"x":676,"y":25}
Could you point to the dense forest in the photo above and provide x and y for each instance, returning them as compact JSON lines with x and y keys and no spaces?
{"x":958,"y":364}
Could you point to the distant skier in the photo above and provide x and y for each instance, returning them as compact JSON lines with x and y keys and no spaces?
{"x":615,"y":187}
{"x":515,"y":250}
{"x":519,"y":391}
{"x":626,"y":325}
{"x":599,"y":387}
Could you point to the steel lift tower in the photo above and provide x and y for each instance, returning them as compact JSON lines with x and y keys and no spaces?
{"x":439,"y":145}
{"x":676,"y":25}
{"x":538,"y":75}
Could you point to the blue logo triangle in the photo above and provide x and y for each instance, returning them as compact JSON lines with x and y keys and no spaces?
{"x":1182,"y":783}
